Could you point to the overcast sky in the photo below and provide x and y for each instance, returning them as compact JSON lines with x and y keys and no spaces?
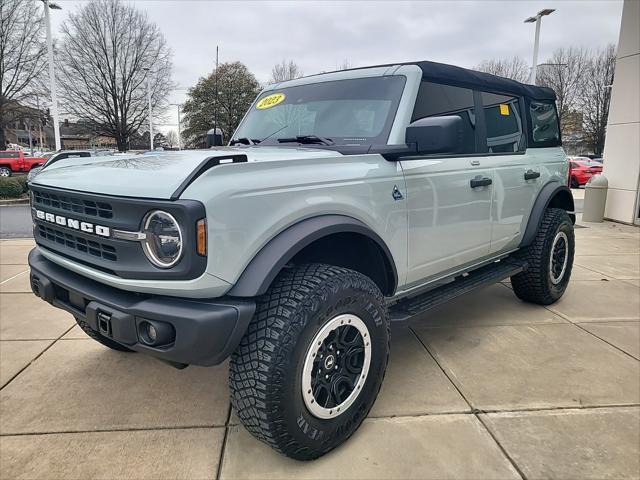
{"x":319,"y":36}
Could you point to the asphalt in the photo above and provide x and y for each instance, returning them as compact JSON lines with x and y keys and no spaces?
{"x":15,"y":221}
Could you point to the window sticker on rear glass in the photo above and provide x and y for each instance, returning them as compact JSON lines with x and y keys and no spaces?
{"x":271,"y":101}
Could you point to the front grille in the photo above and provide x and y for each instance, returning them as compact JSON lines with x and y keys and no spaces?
{"x":80,"y":244}
{"x":73,"y":204}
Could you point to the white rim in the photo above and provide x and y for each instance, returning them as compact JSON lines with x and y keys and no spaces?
{"x":338,"y":322}
{"x":559,"y":236}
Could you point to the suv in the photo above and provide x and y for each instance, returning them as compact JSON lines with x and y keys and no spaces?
{"x":15,"y":161}
{"x":63,"y":155}
{"x":345,"y":201}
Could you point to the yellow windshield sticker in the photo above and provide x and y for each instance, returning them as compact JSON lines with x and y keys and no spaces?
{"x":504,"y":109}
{"x":271,"y":101}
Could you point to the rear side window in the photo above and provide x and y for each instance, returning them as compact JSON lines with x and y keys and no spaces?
{"x":8,"y":154}
{"x":545,"y":127}
{"x":435,"y":100}
{"x":504,"y":123}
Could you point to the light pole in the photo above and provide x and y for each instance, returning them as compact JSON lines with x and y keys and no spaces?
{"x":179,"y":105}
{"x":150,"y":111}
{"x":52,"y":77}
{"x":537,"y":19}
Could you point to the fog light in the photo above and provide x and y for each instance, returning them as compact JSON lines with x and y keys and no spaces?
{"x":155,"y":334}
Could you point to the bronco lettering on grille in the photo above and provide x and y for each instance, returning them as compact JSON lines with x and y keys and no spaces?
{"x":85,"y":227}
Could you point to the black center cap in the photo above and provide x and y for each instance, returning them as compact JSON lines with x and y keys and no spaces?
{"x":329,"y":362}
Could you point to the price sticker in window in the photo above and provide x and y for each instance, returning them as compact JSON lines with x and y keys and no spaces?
{"x":271,"y":101}
{"x":504,"y":109}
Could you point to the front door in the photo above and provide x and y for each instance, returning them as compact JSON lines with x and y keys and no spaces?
{"x":449,"y":214}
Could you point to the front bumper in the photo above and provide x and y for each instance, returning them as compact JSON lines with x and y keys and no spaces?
{"x":205,"y":332}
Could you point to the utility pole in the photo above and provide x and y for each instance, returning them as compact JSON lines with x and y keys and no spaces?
{"x":150,"y":111}
{"x":52,"y":76}
{"x":215,"y":106}
{"x":536,"y":43}
{"x":179,"y":105}
{"x":39,"y":123}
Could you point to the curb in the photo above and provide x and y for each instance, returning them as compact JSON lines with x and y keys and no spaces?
{"x":15,"y":201}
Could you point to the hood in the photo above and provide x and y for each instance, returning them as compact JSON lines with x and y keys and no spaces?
{"x":154,"y":175}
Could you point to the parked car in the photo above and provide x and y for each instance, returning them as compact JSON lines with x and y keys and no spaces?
{"x":62,"y":155}
{"x":15,"y":161}
{"x":346,"y":201}
{"x":581,"y":169}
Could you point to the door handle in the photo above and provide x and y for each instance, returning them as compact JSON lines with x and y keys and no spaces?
{"x":480,"y":182}
{"x":531,"y":175}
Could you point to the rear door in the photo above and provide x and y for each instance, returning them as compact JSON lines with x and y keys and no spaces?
{"x":515,"y":177}
{"x":448,"y":197}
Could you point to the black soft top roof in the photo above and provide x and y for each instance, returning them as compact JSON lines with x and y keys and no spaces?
{"x":463,"y":77}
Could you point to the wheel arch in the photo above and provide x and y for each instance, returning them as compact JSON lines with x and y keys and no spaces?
{"x":552,"y":195}
{"x":353,"y":245}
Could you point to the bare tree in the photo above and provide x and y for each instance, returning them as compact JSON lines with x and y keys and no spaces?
{"x":346,"y":64}
{"x":109,"y":51}
{"x":22,"y":54}
{"x":564,"y":73}
{"x":285,"y":70}
{"x":172,"y":138}
{"x":595,"y":96}
{"x":515,"y":68}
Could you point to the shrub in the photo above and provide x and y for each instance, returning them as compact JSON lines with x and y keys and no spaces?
{"x":22,"y":180}
{"x":10,"y":188}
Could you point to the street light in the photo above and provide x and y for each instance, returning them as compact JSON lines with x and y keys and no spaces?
{"x":179,"y":105}
{"x":52,"y":77}
{"x":537,"y":19}
{"x":146,"y":69}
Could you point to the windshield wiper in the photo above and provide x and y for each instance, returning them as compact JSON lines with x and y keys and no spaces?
{"x":307,"y":139}
{"x":244,"y":141}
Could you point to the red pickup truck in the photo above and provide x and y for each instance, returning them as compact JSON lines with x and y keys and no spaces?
{"x":15,"y":161}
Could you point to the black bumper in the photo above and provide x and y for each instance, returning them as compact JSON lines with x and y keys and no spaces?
{"x":200,"y":332}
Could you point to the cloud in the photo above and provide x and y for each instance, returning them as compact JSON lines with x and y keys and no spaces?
{"x":320,"y":35}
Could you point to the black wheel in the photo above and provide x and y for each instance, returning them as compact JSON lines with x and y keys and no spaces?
{"x":311,"y":364}
{"x":549,"y":258}
{"x":575,"y":183}
{"x":98,"y":337}
{"x":5,"y":172}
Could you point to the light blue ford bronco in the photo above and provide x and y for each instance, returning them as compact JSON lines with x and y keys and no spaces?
{"x":344,"y":201}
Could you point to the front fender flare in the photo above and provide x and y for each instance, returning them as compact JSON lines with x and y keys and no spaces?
{"x":551,"y":191}
{"x":267,"y":263}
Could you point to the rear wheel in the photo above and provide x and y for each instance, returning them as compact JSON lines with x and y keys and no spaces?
{"x":5,"y":172}
{"x":549,"y":258}
{"x":98,"y":337}
{"x":575,"y":183}
{"x":311,"y":364}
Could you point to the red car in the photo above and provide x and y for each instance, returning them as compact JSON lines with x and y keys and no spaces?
{"x":581,"y":169}
{"x":15,"y":161}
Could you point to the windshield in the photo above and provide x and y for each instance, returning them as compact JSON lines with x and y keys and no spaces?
{"x":347,"y":112}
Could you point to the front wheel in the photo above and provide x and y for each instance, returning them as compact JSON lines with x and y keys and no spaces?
{"x":312,"y":361}
{"x":549,"y":260}
{"x":5,"y":172}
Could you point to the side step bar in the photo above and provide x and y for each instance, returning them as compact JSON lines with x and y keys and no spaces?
{"x":408,"y":308}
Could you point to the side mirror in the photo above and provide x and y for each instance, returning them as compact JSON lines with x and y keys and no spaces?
{"x":436,"y":135}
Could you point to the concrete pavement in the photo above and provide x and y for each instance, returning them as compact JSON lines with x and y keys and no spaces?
{"x":484,"y":387}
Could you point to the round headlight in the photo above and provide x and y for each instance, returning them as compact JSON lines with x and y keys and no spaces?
{"x":163,"y":239}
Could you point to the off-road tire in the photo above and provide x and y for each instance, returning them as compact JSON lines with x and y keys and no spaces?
{"x":535,"y":284}
{"x":98,"y":337}
{"x":265,"y":373}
